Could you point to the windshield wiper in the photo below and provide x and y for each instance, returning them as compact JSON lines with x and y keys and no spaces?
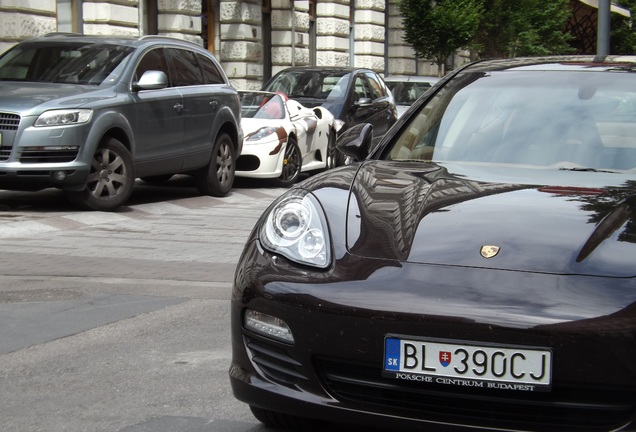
{"x":301,"y":95}
{"x":585,"y":169}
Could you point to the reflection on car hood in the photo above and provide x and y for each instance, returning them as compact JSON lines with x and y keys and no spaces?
{"x":421,"y":213}
{"x":26,"y":96}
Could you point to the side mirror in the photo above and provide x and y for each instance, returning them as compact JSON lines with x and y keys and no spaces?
{"x":356,"y":141}
{"x":364,"y":102}
{"x":151,"y":80}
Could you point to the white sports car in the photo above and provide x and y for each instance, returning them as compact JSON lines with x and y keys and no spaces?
{"x":283,"y":138}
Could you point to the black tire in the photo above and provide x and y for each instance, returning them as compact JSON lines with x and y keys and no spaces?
{"x":217,"y":178}
{"x":285,"y":421}
{"x":332,"y":152}
{"x":335,"y":158}
{"x":292,"y":165}
{"x":157,"y":179}
{"x":110,"y":181}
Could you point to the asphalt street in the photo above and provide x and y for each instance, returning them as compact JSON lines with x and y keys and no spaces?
{"x":119,"y":321}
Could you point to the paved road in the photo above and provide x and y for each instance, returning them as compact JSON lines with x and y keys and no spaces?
{"x":119,"y":321}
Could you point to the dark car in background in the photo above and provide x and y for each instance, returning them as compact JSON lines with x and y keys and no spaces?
{"x":352,"y":95}
{"x":475,"y":271}
{"x":89,"y":114}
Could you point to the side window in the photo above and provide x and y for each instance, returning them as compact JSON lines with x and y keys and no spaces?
{"x":185,"y":67}
{"x":211,"y":73}
{"x":152,"y":60}
{"x":376,"y":88}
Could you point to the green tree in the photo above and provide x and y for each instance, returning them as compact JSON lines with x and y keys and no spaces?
{"x":512,"y":28}
{"x":623,"y":30}
{"x":437,"y":28}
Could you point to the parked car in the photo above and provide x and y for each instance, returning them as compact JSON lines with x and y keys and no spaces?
{"x":407,"y":89}
{"x":476,"y":271}
{"x":89,"y":114}
{"x":352,"y":95}
{"x":283,"y":138}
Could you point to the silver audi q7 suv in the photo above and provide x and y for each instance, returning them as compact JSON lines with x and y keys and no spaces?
{"x":90,"y":114}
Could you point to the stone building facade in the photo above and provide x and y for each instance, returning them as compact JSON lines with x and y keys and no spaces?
{"x":253,"y":39}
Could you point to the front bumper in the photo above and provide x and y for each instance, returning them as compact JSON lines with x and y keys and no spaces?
{"x":262,"y":160}
{"x":33,"y":158}
{"x":334,"y":368}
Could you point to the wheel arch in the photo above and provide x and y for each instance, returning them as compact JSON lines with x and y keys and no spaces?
{"x":227,"y":123}
{"x":111,"y":125}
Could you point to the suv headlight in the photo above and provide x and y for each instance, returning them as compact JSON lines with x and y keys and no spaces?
{"x":296,"y":228}
{"x":64,"y":117}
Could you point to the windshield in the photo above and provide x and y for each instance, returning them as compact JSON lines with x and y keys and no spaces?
{"x":70,"y":63}
{"x":561,"y":120}
{"x":320,"y":85}
{"x":262,"y":105}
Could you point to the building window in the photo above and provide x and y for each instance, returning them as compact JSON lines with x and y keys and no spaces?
{"x":69,"y":16}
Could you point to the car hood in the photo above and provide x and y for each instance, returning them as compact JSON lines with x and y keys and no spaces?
{"x":426,"y":213}
{"x":34,"y":98}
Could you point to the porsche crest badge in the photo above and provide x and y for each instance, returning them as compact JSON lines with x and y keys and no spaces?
{"x":489,"y":251}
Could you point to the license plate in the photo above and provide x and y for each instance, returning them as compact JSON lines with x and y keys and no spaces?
{"x":468,"y":364}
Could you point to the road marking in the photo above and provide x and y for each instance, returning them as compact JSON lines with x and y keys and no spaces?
{"x":32,"y":223}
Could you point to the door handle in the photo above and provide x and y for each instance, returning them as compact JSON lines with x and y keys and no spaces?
{"x":178,"y":107}
{"x":213,"y":104}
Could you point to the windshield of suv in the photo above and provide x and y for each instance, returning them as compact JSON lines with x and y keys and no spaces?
{"x":563,"y":120}
{"x":313,"y":84}
{"x":69,"y":63}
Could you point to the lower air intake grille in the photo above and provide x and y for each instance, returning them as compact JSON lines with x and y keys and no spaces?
{"x":275,"y":363}
{"x":48,"y":156}
{"x":5,"y":152}
{"x":563,"y":409}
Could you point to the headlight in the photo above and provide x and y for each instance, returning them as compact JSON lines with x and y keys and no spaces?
{"x":64,"y":117}
{"x":261,"y":133}
{"x":297,"y":229}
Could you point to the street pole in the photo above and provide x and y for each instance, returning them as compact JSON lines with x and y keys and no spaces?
{"x":603,"y":32}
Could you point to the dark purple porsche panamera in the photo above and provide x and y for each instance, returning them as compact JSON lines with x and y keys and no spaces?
{"x":476,"y":270}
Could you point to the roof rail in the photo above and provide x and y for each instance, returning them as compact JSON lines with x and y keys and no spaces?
{"x":168,"y":38}
{"x":62,"y":34}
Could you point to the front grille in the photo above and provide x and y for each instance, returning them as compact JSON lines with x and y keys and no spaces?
{"x":48,"y":156}
{"x":275,"y":363}
{"x":9,"y":122}
{"x":563,"y":409}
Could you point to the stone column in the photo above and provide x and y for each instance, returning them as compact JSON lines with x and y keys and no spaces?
{"x":332,"y":33}
{"x":241,"y":43}
{"x":106,"y":18}
{"x":180,"y":19}
{"x":290,"y":34}
{"x":369,"y":33}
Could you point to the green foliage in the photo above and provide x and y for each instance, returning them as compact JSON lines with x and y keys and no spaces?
{"x":623,"y":30}
{"x":436,"y":29}
{"x":501,"y":28}
{"x":512,"y":28}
